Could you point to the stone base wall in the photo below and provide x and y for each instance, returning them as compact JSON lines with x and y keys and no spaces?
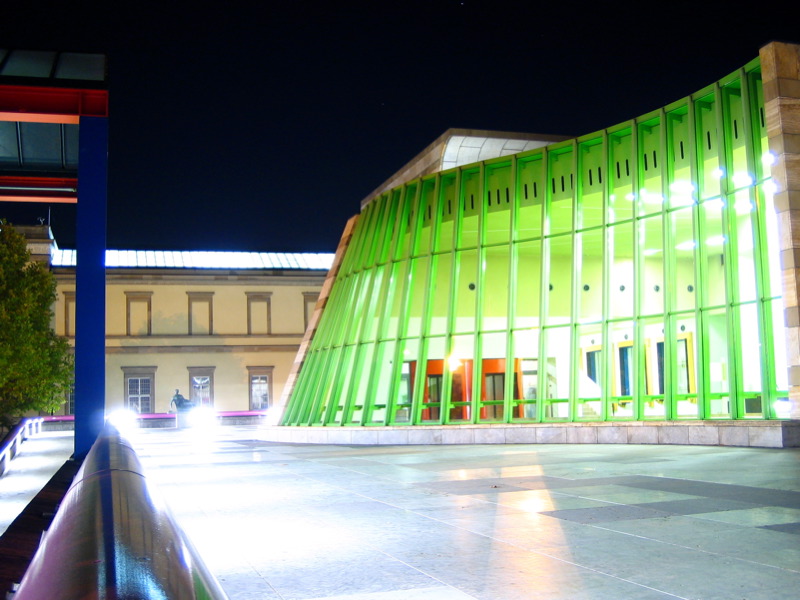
{"x":759,"y":434}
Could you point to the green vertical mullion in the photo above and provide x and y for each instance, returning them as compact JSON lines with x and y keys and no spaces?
{"x":701,"y":374}
{"x":544,"y":291}
{"x":762,"y":275}
{"x":605,"y":336}
{"x":477,"y":358}
{"x":729,"y":230}
{"x":574,"y":295}
{"x":511,"y":304}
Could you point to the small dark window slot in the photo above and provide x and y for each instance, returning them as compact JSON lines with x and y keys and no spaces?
{"x":618,"y":175}
{"x":590,"y":177}
{"x":526,"y":191}
{"x":655,"y":160}
{"x":535,"y":191}
{"x":681,"y":147}
{"x":645,"y":162}
{"x":563,"y":188}
{"x":708,"y":139}
{"x":761,"y":113}
{"x":449,"y":209}
{"x":498,"y":195}
{"x":553,"y":182}
{"x":599,"y":175}
{"x":472,"y":201}
{"x":735,"y":130}
{"x":627,"y":168}
{"x":508,"y":198}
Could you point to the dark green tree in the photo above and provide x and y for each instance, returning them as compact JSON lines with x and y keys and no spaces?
{"x":36,"y":365}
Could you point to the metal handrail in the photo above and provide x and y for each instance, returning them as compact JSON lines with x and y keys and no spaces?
{"x":12,"y":442}
{"x":113,"y":537}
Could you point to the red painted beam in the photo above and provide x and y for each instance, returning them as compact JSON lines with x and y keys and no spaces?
{"x":50,"y":105}
{"x":38,"y":189}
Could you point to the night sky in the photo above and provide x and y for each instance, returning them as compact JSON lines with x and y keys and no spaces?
{"x":263,"y":128}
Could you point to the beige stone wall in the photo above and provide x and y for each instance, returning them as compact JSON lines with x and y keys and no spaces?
{"x":169,"y":347}
{"x":780,"y":66}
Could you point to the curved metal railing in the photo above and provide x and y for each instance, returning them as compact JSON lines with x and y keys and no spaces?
{"x":18,"y":434}
{"x":113,"y":537}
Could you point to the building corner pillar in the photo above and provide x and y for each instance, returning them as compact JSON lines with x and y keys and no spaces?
{"x":780,"y":72}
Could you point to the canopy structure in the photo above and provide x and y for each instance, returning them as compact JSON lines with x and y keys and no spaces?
{"x":54,"y":148}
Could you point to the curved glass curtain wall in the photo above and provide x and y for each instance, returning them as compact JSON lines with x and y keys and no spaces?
{"x":630,"y":274}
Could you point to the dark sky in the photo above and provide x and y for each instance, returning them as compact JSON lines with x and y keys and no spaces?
{"x":263,"y":128}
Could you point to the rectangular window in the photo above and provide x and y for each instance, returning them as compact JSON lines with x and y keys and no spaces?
{"x":201,"y":386}
{"x":201,"y":313}
{"x":69,"y":315}
{"x":138,"y":313}
{"x":139,"y":391}
{"x":309,"y":304}
{"x":259,"y":315}
{"x":260,"y":387}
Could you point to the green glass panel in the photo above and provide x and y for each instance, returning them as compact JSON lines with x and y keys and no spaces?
{"x":590,"y":281}
{"x":427,"y":207}
{"x":460,"y":364}
{"x":680,"y":149}
{"x":359,"y":390}
{"x":531,"y":194}
{"x":750,"y":347}
{"x":495,"y":283}
{"x":492,"y":378}
{"x":712,"y":249}
{"x":775,"y":311}
{"x":418,"y":295}
{"x":561,"y":186}
{"x":682,"y":361}
{"x":652,"y":361}
{"x":440,"y":298}
{"x":448,"y":209}
{"x":528,"y":284}
{"x":465,"y":291}
{"x":404,"y":387}
{"x":526,"y":364}
{"x":405,"y":228}
{"x":771,"y":244}
{"x":499,"y":193}
{"x":592,"y":188}
{"x":651,"y":242}
{"x":591,"y":372}
{"x":651,"y":167}
{"x":623,"y":385}
{"x":392,"y":225}
{"x":684,"y":247}
{"x":433,"y":381}
{"x":470,"y":208}
{"x":710,"y":170}
{"x":554,"y":376}
{"x":745,"y":277}
{"x":620,"y":148}
{"x":381,"y":372}
{"x":620,"y":242}
{"x":559,"y":298}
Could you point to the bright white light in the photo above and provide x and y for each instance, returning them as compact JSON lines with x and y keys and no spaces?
{"x":681,"y":187}
{"x":272,"y":416}
{"x":743,"y":206}
{"x":719,"y":173}
{"x":686,"y":245}
{"x":453,"y":363}
{"x":651,"y":251}
{"x":782,"y":409}
{"x":124,"y":419}
{"x":770,"y":188}
{"x":717,"y":240}
{"x":630,"y":197}
{"x":768,"y":159}
{"x":202,"y":417}
{"x":715,"y":204}
{"x":742,"y":179}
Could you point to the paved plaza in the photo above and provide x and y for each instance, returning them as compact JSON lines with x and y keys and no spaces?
{"x":281,"y":521}
{"x":490,"y":522}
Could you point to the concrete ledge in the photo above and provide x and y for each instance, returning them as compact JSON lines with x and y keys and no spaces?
{"x":757,"y":434}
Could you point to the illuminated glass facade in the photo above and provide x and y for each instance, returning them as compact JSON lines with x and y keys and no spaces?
{"x":630,"y":274}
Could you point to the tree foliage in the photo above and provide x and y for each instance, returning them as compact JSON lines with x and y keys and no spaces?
{"x":36,"y":366}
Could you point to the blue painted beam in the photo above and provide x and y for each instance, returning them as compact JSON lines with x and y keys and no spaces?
{"x":90,"y":293}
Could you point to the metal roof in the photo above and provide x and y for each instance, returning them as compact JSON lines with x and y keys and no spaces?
{"x":197,"y":259}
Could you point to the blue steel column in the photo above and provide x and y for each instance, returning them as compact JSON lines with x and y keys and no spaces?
{"x":90,"y":297}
